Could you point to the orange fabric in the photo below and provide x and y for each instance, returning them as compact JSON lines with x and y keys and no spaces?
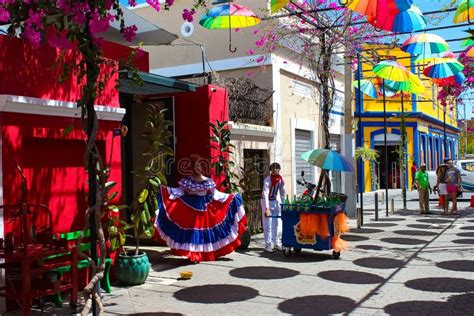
{"x":340,"y":227}
{"x":323,"y":226}
{"x":309,"y":224}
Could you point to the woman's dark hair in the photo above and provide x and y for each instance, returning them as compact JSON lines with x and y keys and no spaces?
{"x":275,"y":165}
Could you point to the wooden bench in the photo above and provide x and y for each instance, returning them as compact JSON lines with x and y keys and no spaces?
{"x":70,"y":239}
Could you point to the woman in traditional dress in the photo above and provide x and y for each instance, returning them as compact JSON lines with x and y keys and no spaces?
{"x":198,"y":221}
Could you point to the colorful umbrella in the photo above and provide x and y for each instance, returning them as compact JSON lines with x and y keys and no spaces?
{"x":457,"y":79}
{"x":425,"y":44}
{"x":388,"y":92}
{"x":378,"y":9}
{"x":468,"y":41}
{"x":391,"y":70}
{"x":443,"y":68}
{"x":405,"y":21}
{"x":464,"y":12}
{"x":229,"y":16}
{"x":328,"y":159}
{"x":277,"y":5}
{"x":412,"y":85}
{"x":366,"y":87}
{"x":470,"y":52}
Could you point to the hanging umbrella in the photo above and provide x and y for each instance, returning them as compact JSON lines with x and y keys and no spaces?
{"x":391,"y":70}
{"x":468,"y":41}
{"x":388,"y":91}
{"x":427,"y":59}
{"x":425,"y":44}
{"x":412,"y":85}
{"x":378,"y":9}
{"x":366,"y":87}
{"x":457,"y":79}
{"x":328,"y":159}
{"x":410,"y":20}
{"x":229,"y":16}
{"x":277,"y":5}
{"x":443,"y":68}
{"x":470,"y":52}
{"x":464,"y":12}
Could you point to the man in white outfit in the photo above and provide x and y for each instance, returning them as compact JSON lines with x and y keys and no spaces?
{"x":273,"y":193}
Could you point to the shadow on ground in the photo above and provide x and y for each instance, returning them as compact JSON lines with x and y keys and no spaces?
{"x":263,"y":273}
{"x":379,"y":263}
{"x":404,"y":241}
{"x":415,"y":233}
{"x":351,"y":277}
{"x":316,"y":305}
{"x":457,"y":265}
{"x":455,"y":285}
{"x":456,"y":305}
{"x":216,"y":294}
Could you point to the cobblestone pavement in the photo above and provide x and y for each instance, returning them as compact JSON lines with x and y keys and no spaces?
{"x":404,"y":264}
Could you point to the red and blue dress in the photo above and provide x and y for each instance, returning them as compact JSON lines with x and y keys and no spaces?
{"x":198,"y":221}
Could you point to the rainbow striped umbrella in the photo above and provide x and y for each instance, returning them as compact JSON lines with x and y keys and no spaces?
{"x":405,"y":21}
{"x":425,"y":44}
{"x":391,"y":70}
{"x":277,"y":5}
{"x":457,"y":79}
{"x":443,"y":68}
{"x":229,"y":16}
{"x":388,"y":92}
{"x":328,"y":159}
{"x":464,"y":12}
{"x":366,"y":87}
{"x":470,"y":52}
{"x":412,"y":85}
{"x":378,"y":9}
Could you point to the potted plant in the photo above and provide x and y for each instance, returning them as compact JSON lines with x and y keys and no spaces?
{"x":133,"y":267}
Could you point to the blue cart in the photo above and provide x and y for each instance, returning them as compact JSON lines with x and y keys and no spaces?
{"x":290,"y":216}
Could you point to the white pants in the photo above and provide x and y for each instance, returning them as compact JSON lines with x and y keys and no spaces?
{"x":271,"y":225}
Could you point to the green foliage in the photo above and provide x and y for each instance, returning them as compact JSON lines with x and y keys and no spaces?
{"x":152,"y":175}
{"x":250,"y":196}
{"x":222,"y":163}
{"x":370,"y":155}
{"x":110,"y":212}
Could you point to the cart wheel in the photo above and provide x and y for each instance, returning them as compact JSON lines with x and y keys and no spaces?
{"x":336,"y":254}
{"x":286,"y":252}
{"x":297,"y":251}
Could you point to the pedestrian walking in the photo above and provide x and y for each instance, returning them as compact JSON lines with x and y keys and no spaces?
{"x":273,"y":193}
{"x":441,"y":186}
{"x":424,"y":189}
{"x":413,"y":173}
{"x":453,"y":181}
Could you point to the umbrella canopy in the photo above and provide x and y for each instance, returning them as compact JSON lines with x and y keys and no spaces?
{"x":412,"y":85}
{"x":229,"y":16}
{"x":464,"y":12}
{"x":443,"y":68}
{"x":328,"y":159}
{"x":277,"y":5}
{"x":405,"y":21}
{"x":470,"y":52}
{"x":388,"y":91}
{"x":457,"y":79}
{"x":425,"y":44}
{"x":378,"y":9}
{"x":366,"y":87}
{"x":391,"y":70}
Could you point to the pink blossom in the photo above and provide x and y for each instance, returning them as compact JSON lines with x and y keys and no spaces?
{"x":4,"y":15}
{"x":58,"y":41}
{"x":132,"y":3}
{"x":260,"y":59}
{"x":237,"y":30}
{"x":129,"y":32}
{"x":100,"y":24}
{"x":188,"y":15}
{"x":154,"y":4}
{"x":250,"y":52}
{"x":169,"y":2}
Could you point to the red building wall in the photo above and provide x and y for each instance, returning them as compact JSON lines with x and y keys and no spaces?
{"x":193,"y":112}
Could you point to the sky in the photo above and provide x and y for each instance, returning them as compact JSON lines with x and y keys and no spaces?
{"x":447,"y":34}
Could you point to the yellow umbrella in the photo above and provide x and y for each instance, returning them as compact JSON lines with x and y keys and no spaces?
{"x":277,"y":5}
{"x":464,"y":12}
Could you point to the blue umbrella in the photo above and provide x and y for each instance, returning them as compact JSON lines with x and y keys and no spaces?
{"x":328,"y":159}
{"x":367,"y":87}
{"x":409,"y":21}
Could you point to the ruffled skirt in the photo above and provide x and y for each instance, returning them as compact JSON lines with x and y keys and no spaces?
{"x":200,"y":228}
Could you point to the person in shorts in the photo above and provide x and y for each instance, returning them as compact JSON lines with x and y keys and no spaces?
{"x":441,"y":186}
{"x":424,"y":189}
{"x":453,"y":185}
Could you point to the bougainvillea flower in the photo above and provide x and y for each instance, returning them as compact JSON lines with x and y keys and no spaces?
{"x":229,"y":16}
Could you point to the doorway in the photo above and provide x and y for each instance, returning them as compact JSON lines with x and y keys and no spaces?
{"x":393,"y":166}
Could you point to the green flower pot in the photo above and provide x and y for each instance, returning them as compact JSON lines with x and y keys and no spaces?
{"x":131,"y":269}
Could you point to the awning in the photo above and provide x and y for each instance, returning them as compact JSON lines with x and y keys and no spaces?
{"x":153,"y":84}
